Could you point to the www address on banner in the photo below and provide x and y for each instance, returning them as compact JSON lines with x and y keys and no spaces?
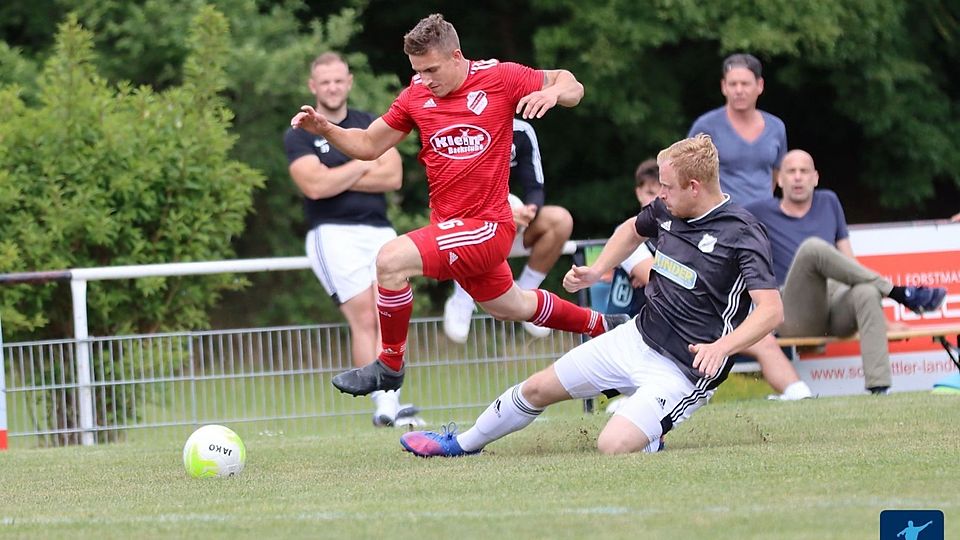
{"x":897,"y":367}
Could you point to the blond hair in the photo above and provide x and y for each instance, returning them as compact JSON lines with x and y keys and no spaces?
{"x":432,"y":33}
{"x":693,"y":158}
{"x":328,"y":58}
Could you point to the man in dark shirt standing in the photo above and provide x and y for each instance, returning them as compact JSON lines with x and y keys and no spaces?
{"x":712,"y":259}
{"x":345,"y":207}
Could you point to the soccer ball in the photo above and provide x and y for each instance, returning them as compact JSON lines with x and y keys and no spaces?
{"x":214,"y":451}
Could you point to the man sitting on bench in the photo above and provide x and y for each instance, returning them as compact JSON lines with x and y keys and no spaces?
{"x":825,"y":290}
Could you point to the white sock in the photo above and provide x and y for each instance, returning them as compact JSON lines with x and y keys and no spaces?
{"x":530,"y":279}
{"x":462,"y":297}
{"x":797,"y":390}
{"x":387,"y":396}
{"x":510,"y":412}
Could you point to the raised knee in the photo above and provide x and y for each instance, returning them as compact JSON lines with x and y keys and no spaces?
{"x":387,"y":256}
{"x":865,"y":292}
{"x":554,"y":220}
{"x":811,"y":244}
{"x":390,"y":261}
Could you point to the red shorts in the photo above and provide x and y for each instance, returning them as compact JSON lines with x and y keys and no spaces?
{"x":471,"y":251}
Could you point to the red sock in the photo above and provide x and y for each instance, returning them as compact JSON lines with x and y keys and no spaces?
{"x":554,"y":312}
{"x":395,"y":308}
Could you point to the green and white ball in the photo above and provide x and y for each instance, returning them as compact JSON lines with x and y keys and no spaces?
{"x":214,"y":451}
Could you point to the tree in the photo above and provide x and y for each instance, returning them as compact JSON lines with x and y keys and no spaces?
{"x":98,"y":175}
{"x":267,"y":66}
{"x":868,"y":86}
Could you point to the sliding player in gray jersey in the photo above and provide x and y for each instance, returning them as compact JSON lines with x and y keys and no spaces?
{"x":712,"y":259}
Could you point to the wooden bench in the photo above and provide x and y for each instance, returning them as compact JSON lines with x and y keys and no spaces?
{"x":939,"y":333}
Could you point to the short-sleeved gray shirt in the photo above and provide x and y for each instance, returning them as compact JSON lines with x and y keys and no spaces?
{"x":746,"y":168}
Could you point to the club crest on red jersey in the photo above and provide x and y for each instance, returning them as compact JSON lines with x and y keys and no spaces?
{"x":460,"y":141}
{"x":477,"y":101}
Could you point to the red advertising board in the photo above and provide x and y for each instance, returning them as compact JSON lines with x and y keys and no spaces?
{"x":906,"y":255}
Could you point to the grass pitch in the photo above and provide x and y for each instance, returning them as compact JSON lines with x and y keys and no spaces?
{"x":815,"y":469}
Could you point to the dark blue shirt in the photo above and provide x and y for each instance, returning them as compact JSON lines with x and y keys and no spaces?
{"x":702,"y":272}
{"x":348,"y":207}
{"x":824,"y":220}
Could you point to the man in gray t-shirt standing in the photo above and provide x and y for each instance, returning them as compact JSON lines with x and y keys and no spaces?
{"x":751,"y":142}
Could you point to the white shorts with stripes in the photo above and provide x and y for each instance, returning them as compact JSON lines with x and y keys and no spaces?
{"x":653,"y":385}
{"x":344,"y":257}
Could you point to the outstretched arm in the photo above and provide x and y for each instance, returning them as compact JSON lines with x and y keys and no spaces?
{"x":366,"y":144}
{"x":622,"y":243}
{"x":560,"y":87}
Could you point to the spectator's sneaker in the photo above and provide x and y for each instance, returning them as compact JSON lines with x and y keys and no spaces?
{"x":786,"y":397}
{"x":433,"y":444}
{"x":373,"y":376}
{"x":879,"y":390}
{"x":387,"y":409}
{"x":406,"y":417}
{"x":613,"y":320}
{"x":795,"y":392}
{"x":536,"y":331}
{"x":922,"y":299}
{"x":410,"y":422}
{"x":407,"y":410}
{"x":456,"y":319}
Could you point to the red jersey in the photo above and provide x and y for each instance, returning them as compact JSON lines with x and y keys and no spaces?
{"x":466,"y":137}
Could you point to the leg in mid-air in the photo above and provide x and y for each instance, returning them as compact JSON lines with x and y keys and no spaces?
{"x":397,"y":262}
{"x":546,"y":309}
{"x":343,"y":259}
{"x":545,"y":238}
{"x":474,"y":253}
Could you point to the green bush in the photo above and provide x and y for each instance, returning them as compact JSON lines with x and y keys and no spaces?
{"x":94,"y":175}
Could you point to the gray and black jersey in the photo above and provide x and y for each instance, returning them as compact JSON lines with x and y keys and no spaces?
{"x":701,"y":273}
{"x":348,"y":207}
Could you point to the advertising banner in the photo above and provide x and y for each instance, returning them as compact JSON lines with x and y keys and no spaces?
{"x":906,"y":254}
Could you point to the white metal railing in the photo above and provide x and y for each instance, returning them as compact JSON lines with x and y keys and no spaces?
{"x":79,"y":277}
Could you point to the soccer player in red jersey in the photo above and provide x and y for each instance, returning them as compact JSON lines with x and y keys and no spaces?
{"x":464,"y":111}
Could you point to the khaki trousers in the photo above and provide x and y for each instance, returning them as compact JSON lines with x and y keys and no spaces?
{"x":828,"y":293}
